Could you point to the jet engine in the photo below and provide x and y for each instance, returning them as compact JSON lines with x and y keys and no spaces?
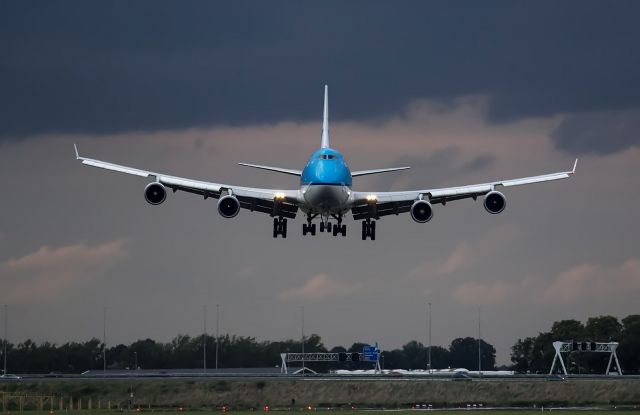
{"x":421,"y":211}
{"x":155,"y":193}
{"x":228,"y":206}
{"x":494,"y":202}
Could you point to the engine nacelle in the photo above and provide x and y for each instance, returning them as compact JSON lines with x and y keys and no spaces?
{"x":495,"y":202}
{"x":228,"y":206}
{"x":421,"y":211}
{"x":155,"y":193}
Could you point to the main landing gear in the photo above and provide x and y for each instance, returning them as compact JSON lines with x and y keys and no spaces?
{"x":279,"y":227}
{"x":325,"y":225}
{"x":309,"y":228}
{"x":369,"y":229}
{"x":339,"y":228}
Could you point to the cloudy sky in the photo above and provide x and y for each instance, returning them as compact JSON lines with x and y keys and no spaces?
{"x":463,"y":91}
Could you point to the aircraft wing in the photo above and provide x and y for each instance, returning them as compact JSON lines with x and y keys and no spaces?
{"x":254,"y":199}
{"x":388,"y":203}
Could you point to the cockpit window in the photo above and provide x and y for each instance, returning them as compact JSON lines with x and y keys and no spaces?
{"x":328,"y":156}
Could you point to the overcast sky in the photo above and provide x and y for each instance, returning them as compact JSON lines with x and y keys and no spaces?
{"x":463,"y":91}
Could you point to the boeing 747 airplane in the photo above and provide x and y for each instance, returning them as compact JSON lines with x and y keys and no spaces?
{"x":325,"y":192}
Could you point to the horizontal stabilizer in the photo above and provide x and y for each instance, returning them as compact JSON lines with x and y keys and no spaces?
{"x":376,"y":171}
{"x":276,"y":169}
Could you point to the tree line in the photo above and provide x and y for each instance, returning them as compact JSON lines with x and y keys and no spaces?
{"x":535,"y":354}
{"x":186,"y":352}
{"x":531,"y":354}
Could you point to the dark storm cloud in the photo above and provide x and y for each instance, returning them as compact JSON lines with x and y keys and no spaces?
{"x":600,"y":133}
{"x":98,"y":67}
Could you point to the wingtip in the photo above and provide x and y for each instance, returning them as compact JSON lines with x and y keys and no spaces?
{"x":75,"y":147}
{"x":575,"y":164}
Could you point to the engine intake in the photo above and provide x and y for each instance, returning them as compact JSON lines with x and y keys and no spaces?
{"x":495,"y":202}
{"x":421,"y":211}
{"x":228,"y":206}
{"x":155,"y":193}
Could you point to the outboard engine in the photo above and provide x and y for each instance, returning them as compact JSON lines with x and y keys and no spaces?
{"x":494,"y":202}
{"x":155,"y":193}
{"x":228,"y":206}
{"x":421,"y":211}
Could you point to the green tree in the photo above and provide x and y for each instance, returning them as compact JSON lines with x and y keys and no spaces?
{"x":630,"y":344}
{"x":603,"y":329}
{"x":565,"y":330}
{"x":464,"y":354}
{"x":522,"y":355}
{"x":440,"y":357}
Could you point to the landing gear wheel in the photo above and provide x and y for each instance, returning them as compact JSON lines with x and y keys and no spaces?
{"x":339,"y":229}
{"x":279,"y":227}
{"x":321,"y":226}
{"x":328,"y":226}
{"x":369,"y":230}
{"x":309,"y":228}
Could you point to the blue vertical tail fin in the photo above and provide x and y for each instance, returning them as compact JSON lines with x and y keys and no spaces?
{"x":325,"y":119}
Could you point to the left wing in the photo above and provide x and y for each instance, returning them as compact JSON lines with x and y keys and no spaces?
{"x":272,"y":201}
{"x":376,"y":204}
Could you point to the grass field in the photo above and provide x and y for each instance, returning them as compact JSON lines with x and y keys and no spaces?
{"x":370,"y":412}
{"x":282,"y":394}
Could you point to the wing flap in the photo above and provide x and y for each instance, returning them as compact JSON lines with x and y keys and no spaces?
{"x":380,"y":209}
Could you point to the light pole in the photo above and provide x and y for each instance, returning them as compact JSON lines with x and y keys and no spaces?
{"x":430,"y":370}
{"x":135,"y":355}
{"x":303,"y":366}
{"x":5,"y":340}
{"x":104,"y":339}
{"x":217,"y":333}
{"x":204,"y":339}
{"x":479,"y":342}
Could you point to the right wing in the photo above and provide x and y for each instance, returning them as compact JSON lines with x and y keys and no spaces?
{"x":275,"y":202}
{"x":376,"y":204}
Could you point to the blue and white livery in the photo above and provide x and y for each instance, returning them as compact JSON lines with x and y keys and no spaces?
{"x":325,"y":192}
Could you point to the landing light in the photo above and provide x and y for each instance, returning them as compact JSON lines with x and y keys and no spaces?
{"x":372,"y":198}
{"x":279,"y":196}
